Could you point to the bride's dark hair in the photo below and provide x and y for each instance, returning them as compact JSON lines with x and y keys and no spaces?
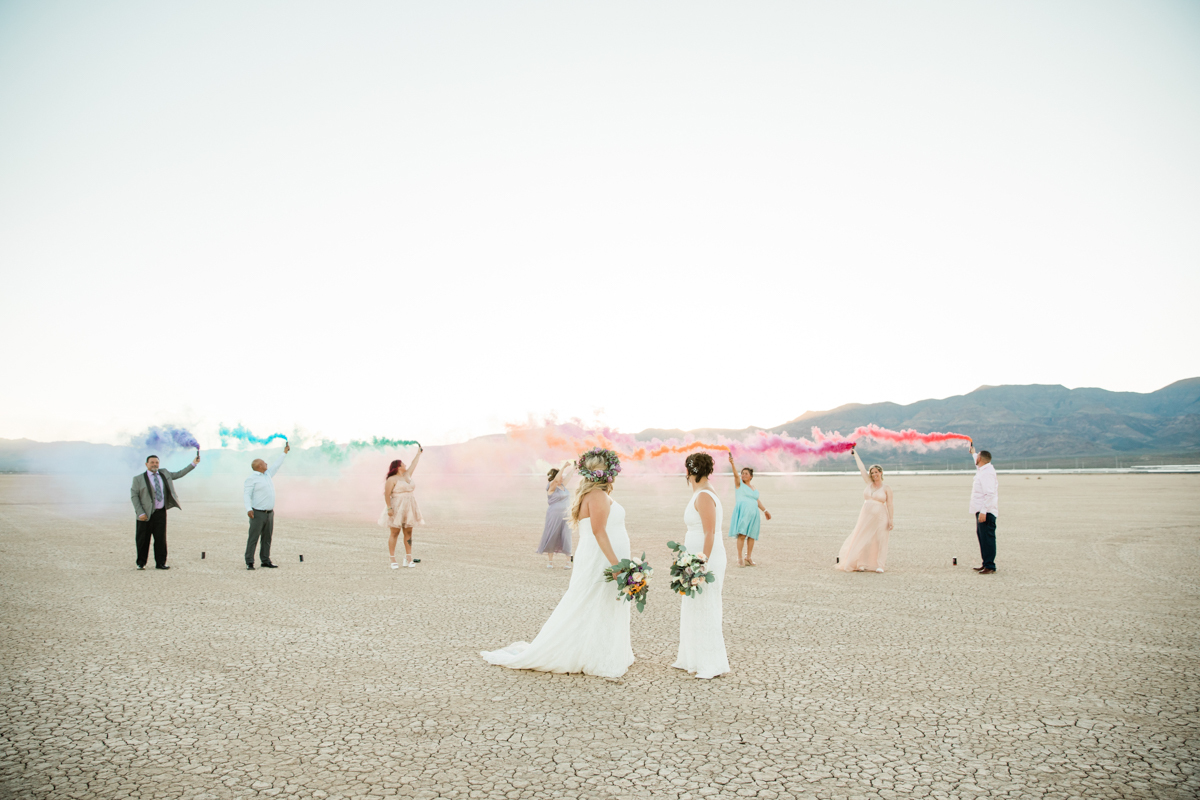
{"x":699,"y":465}
{"x":395,"y":467}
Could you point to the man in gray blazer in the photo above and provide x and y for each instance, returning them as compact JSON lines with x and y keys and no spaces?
{"x":153,"y":492}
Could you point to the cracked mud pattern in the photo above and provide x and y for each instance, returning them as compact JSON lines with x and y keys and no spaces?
{"x":1073,"y":672}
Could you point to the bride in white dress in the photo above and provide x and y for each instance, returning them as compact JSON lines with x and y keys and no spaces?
{"x":589,"y":629}
{"x":701,"y":640}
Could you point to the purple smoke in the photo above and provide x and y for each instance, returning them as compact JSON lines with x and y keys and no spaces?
{"x":168,"y":438}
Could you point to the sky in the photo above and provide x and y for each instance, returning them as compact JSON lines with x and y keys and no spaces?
{"x":430,"y":219}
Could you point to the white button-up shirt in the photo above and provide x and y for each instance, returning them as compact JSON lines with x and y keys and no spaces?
{"x":260,"y":490}
{"x":159,"y":503}
{"x":985,"y":492}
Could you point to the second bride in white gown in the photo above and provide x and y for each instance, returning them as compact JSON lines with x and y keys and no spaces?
{"x":589,"y":629}
{"x":701,"y":638}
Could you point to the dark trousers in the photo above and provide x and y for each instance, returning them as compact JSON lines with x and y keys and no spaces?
{"x":156,"y":526}
{"x":986,"y":533}
{"x":261,"y":527}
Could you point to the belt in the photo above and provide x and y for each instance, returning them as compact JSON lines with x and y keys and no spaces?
{"x":264,"y":511}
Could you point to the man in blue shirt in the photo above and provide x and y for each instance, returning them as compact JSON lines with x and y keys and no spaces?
{"x":260,"y":508}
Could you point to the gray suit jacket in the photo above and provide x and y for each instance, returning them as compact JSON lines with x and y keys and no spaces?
{"x":142,"y":493}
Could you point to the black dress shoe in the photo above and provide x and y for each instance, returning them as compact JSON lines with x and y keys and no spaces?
{"x":249,"y":566}
{"x":977,"y":569}
{"x":164,"y":566}
{"x":269,"y":565}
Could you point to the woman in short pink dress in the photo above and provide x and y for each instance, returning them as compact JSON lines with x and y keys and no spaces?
{"x":865,"y":549}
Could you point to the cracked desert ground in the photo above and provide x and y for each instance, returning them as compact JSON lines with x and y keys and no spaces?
{"x":1072,"y":672}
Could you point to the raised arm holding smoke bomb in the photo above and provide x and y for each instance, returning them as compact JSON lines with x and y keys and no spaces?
{"x":985,"y":504}
{"x":152,"y":493}
{"x":259,"y":494}
{"x":401,"y":511}
{"x":556,"y":536}
{"x":865,"y":549}
{"x":745,"y":524}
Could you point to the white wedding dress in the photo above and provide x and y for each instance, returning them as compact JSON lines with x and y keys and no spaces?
{"x":589,"y":629}
{"x":701,"y":640}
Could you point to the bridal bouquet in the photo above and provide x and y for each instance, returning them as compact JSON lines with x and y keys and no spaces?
{"x":689,"y":571}
{"x":632,"y":576}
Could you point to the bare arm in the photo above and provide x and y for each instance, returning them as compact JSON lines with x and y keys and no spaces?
{"x":708,"y":518}
{"x":388,"y":485}
{"x":763,"y":508}
{"x":737,"y":477}
{"x":560,"y":479}
{"x":413,"y":466}
{"x":597,"y":505}
{"x":890,"y":509}
{"x":861,"y":469}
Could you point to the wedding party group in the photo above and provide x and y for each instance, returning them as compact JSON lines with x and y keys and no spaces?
{"x":588,"y":631}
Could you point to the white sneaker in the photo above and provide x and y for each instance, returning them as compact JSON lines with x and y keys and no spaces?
{"x":411,"y":563}
{"x":566,"y":566}
{"x":395,"y":565}
{"x":549,"y":565}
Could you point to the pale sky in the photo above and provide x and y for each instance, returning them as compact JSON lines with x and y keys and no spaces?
{"x":426,"y":219}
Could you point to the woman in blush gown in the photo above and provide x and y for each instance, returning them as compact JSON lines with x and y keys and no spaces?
{"x":865,"y":549}
{"x":589,"y":629}
{"x":701,"y":640}
{"x":556,"y":536}
{"x":401,"y":511}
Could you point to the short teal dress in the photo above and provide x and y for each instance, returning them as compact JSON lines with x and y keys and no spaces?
{"x":745,"y":513}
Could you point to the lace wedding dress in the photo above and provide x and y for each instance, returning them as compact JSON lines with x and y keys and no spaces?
{"x":701,"y":640}
{"x":589,"y":629}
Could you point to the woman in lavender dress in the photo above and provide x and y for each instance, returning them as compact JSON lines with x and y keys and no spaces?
{"x":556,"y":538}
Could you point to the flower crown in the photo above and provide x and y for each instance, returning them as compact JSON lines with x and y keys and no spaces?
{"x":606,"y":475}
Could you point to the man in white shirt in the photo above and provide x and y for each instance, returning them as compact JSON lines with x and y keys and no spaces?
{"x":260,"y":508}
{"x":984,"y":507}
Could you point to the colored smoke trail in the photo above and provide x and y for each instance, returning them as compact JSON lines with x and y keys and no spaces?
{"x":571,"y":439}
{"x":242,"y":434}
{"x":379,"y":442}
{"x":340,"y":452}
{"x":641,"y":454}
{"x":806,"y":451}
{"x":911,"y":438}
{"x":169,"y":438}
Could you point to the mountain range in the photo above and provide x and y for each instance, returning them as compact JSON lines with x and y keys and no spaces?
{"x":1042,"y":423}
{"x":1036,"y":424}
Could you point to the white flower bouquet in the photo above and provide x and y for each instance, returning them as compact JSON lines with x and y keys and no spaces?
{"x":689,"y":571}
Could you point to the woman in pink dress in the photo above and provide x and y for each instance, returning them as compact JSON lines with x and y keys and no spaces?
{"x":865,"y":549}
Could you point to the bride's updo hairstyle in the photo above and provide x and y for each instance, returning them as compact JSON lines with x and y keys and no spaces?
{"x":597,"y":469}
{"x":699,"y":466}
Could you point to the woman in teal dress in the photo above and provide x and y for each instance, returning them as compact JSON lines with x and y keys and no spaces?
{"x":744,"y":524}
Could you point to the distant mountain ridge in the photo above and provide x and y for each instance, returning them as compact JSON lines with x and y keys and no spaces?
{"x":1030,"y":421}
{"x":1045,"y":425}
